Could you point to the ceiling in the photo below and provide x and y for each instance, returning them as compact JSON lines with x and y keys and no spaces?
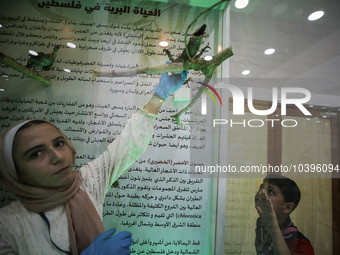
{"x":307,"y":53}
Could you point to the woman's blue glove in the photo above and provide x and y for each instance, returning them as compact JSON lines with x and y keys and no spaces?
{"x":106,"y":244}
{"x":168,"y":84}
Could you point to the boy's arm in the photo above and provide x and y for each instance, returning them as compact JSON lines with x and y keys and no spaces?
{"x":269,"y":220}
{"x":279,"y":244}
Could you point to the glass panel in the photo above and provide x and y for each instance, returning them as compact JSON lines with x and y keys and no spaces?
{"x":309,"y":145}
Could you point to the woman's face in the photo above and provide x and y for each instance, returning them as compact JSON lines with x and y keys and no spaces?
{"x":41,"y":156}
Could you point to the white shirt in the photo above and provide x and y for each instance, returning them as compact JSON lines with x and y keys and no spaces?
{"x":25,"y":233}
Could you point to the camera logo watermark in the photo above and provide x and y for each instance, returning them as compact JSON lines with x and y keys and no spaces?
{"x":204,"y":98}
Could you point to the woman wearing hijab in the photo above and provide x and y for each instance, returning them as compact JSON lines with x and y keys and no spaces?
{"x":58,"y":209}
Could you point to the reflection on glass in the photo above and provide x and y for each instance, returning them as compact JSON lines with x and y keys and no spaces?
{"x":240,"y":4}
{"x":316,"y":15}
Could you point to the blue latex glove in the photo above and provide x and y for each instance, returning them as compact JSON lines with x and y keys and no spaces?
{"x":106,"y":244}
{"x":168,"y":84}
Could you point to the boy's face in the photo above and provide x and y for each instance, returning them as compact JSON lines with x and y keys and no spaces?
{"x":42,"y":157}
{"x":275,"y":195}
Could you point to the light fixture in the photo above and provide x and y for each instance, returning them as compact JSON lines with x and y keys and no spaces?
{"x":208,"y":58}
{"x":163,"y":44}
{"x":67,"y":70}
{"x":269,"y":51}
{"x":0,"y":25}
{"x":240,"y":4}
{"x":32,"y":52}
{"x":328,"y":114}
{"x":315,"y":15}
{"x":2,"y":90}
{"x":71,"y":45}
{"x":246,"y":72}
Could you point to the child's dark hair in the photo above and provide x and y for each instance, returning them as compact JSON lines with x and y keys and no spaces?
{"x":288,"y":188}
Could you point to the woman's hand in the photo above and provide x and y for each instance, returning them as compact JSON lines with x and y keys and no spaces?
{"x":169,"y":84}
{"x":107,"y":244}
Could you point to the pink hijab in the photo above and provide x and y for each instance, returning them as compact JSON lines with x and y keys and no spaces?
{"x":84,"y":222}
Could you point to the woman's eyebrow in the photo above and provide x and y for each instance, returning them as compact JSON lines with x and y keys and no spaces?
{"x":58,"y":138}
{"x":32,"y":149}
{"x":41,"y":145}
